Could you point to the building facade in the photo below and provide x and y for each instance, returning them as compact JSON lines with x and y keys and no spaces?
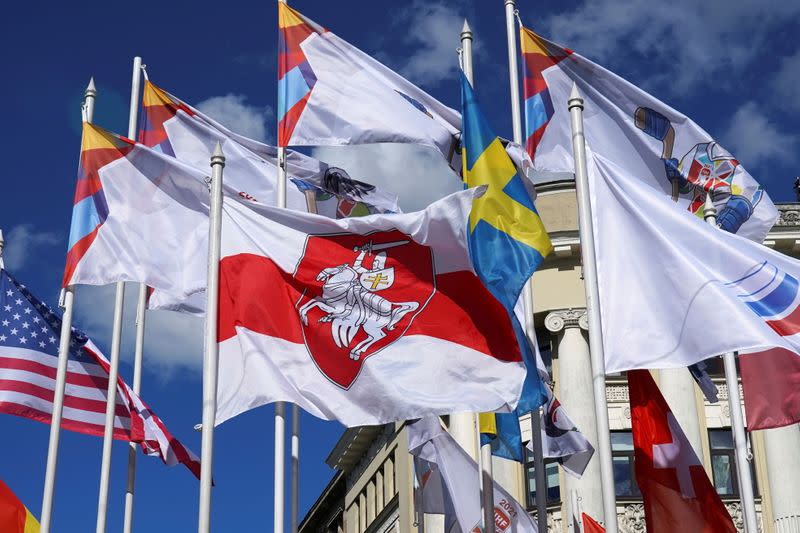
{"x":372,"y":491}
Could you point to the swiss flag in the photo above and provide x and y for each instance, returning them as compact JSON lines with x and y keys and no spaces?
{"x":678,"y":496}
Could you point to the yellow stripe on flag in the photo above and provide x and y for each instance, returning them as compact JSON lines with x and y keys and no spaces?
{"x":494,"y":168}
{"x":487,"y":424}
{"x":288,"y":17}
{"x":96,"y":138}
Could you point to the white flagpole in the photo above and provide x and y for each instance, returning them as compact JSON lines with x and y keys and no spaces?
{"x":133,"y":119}
{"x":527,"y":298}
{"x":2,"y":244}
{"x":211,"y":348}
{"x":464,"y":426}
{"x":280,"y":407}
{"x":295,"y":471}
{"x":737,"y":418}
{"x":67,"y":303}
{"x":575,"y":104}
{"x":116,"y":344}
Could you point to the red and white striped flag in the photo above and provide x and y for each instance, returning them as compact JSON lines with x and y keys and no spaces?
{"x":29,"y":338}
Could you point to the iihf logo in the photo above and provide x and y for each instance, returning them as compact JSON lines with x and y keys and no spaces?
{"x":772,"y":294}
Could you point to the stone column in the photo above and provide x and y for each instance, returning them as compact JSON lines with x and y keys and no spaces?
{"x":575,"y":394}
{"x":677,"y":387}
{"x":782,"y":450}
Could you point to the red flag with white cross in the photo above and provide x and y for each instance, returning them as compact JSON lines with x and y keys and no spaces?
{"x":678,"y":496}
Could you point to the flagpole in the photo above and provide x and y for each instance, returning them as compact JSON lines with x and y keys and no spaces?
{"x":295,"y":471}
{"x":211,"y":347}
{"x":737,"y":418}
{"x":464,"y":427}
{"x":67,"y":303}
{"x":133,"y":119}
{"x":116,"y":344}
{"x":575,"y":105}
{"x":527,"y":298}
{"x":111,"y":404}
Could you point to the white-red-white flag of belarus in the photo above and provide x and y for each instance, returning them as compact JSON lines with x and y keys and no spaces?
{"x":363,"y":320}
{"x":678,"y":496}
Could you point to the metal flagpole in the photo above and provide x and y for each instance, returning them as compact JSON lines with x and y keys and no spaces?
{"x":133,"y":120}
{"x":211,"y":348}
{"x":67,"y":303}
{"x":527,"y":298}
{"x":737,"y":418}
{"x":280,"y":407}
{"x":116,"y":343}
{"x":575,"y":104}
{"x":464,"y":425}
{"x":295,"y":471}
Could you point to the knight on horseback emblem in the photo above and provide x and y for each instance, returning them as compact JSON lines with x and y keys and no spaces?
{"x":351,"y":299}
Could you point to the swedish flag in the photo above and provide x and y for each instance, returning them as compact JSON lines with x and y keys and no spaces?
{"x":506,"y":236}
{"x":507,"y":243}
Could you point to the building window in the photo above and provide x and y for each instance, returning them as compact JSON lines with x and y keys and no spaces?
{"x":551,"y":477}
{"x":544,"y":340}
{"x":723,"y":464}
{"x":623,"y":460}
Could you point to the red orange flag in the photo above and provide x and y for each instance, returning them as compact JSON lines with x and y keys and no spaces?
{"x":14,"y":517}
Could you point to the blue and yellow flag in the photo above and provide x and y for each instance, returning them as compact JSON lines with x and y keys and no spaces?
{"x":506,"y":236}
{"x":507,"y":243}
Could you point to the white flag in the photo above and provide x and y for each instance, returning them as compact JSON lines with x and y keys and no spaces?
{"x":691,"y":291}
{"x":332,"y":93}
{"x":644,"y":136}
{"x":451,"y":485}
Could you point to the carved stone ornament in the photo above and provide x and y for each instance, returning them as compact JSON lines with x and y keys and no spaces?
{"x":632,"y":518}
{"x":556,"y":321}
{"x":788,"y":215}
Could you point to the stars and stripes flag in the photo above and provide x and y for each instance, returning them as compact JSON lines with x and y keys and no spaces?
{"x":29,"y":339}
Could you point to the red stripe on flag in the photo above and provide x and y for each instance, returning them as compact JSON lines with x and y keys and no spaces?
{"x":78,"y":426}
{"x":75,"y":254}
{"x":289,"y":121}
{"x":533,"y":141}
{"x":92,"y":161}
{"x":771,"y":384}
{"x":788,"y":325}
{"x":74,"y":402}
{"x":73,"y":378}
{"x":256,"y":294}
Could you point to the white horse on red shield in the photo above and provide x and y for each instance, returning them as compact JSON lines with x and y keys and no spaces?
{"x":350,"y":300}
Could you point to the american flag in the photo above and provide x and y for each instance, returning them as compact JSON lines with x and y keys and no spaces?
{"x":29,"y":339}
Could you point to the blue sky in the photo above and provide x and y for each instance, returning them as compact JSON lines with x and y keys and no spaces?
{"x":731,"y":66}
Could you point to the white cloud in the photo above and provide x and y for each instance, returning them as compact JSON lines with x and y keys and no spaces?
{"x":689,"y":43}
{"x":22,"y":241}
{"x":233,"y":112}
{"x":173,"y":341}
{"x":418,"y":175}
{"x":434,"y":28}
{"x":786,"y":82}
{"x":755,"y":140}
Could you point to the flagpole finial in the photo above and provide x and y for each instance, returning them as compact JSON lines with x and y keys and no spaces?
{"x":510,"y":2}
{"x":575,"y":99}
{"x":218,"y":157}
{"x":91,"y":90}
{"x":466,"y":31}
